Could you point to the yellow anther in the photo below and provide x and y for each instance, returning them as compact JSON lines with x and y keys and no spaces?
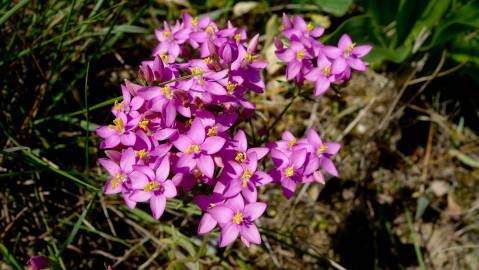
{"x":326,"y":70}
{"x":321,"y":150}
{"x":237,"y":38}
{"x":210,"y":29}
{"x":289,"y":171}
{"x":249,"y":58}
{"x":118,"y":125}
{"x":167,"y":92}
{"x":212,"y":131}
{"x":230,"y":86}
{"x":247,"y":174}
{"x":241,"y":157}
{"x":114,"y":183}
{"x":118,"y":106}
{"x":194,"y":148}
{"x":208,"y":60}
{"x":347,"y":51}
{"x":188,"y":122}
{"x":167,"y":34}
{"x":310,"y":27}
{"x":144,"y":124}
{"x":300,"y":55}
{"x":238,"y":218}
{"x":196,"y":71}
{"x":152,"y":186}
{"x":292,"y":142}
{"x":165,"y":57}
{"x":142,"y":154}
{"x":211,"y":205}
{"x":194,"y":22}
{"x":197,"y":173}
{"x":117,"y":180}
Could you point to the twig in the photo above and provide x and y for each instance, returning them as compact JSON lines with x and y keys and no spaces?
{"x":356,"y":120}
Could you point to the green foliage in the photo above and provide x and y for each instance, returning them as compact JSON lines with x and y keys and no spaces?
{"x":399,"y":29}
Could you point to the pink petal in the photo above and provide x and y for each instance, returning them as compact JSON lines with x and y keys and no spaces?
{"x":182,"y":143}
{"x":109,"y":165}
{"x":157,"y":205}
{"x":312,"y":165}
{"x":241,"y":142}
{"x":338,"y":66}
{"x":140,"y":196}
{"x":332,"y":52}
{"x":163,"y":169}
{"x":318,"y":177}
{"x":289,"y":186}
{"x":149,"y":92}
{"x":105,"y":131}
{"x":260,"y":152}
{"x":251,"y":234}
{"x":333,"y":147}
{"x":229,"y":234}
{"x":110,"y":142}
{"x":197,"y":131}
{"x":109,"y":190}
{"x":313,"y":137}
{"x":170,"y":189}
{"x":321,"y":85}
{"x":357,"y":64}
{"x":344,"y":42}
{"x":263,"y":178}
{"x":329,"y":167}
{"x":215,"y":88}
{"x":222,"y":214}
{"x":138,"y":180}
{"x":128,"y":138}
{"x":292,"y":69}
{"x":234,"y":187}
{"x":213,"y":144}
{"x":298,"y":158}
{"x":186,"y":162}
{"x":250,"y":193}
{"x":362,"y":50}
{"x":287,"y":55}
{"x":279,"y":158}
{"x":170,"y":114}
{"x":254,"y":210}
{"x":206,"y":165}
{"x":127,"y":160}
{"x":313,"y":75}
{"x":207,"y":224}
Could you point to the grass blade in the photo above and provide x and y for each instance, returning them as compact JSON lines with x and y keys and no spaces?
{"x":12,"y":11}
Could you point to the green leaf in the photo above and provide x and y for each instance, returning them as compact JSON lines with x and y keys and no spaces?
{"x":336,"y":7}
{"x":458,"y":21}
{"x":408,"y":14}
{"x":383,"y":12}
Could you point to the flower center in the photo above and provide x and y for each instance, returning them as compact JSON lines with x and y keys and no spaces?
{"x":213,"y":131}
{"x":300,"y":55}
{"x":144,"y":124}
{"x":310,"y":27}
{"x":210,"y":29}
{"x":152,"y":186}
{"x":347,"y":51}
{"x":249,"y":57}
{"x":238,"y":218}
{"x":196,"y":71}
{"x":194,"y":148}
{"x":118,"y":179}
{"x":288,"y":172}
{"x":208,"y":60}
{"x":230,"y":86}
{"x":165,"y":57}
{"x":211,"y":205}
{"x":142,"y":154}
{"x":197,"y":173}
{"x":326,"y":70}
{"x":241,"y":157}
{"x":321,"y":150}
{"x":194,"y":22}
{"x":292,"y":142}
{"x":118,"y":106}
{"x":237,"y":38}
{"x":118,"y":125}
{"x":245,"y":177}
{"x":188,"y":122}
{"x":167,"y":92}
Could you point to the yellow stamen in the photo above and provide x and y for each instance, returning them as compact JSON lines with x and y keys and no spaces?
{"x":326,"y":70}
{"x":118,"y":106}
{"x":310,"y":27}
{"x":238,"y":218}
{"x":213,"y":131}
{"x":197,"y":173}
{"x":289,"y":171}
{"x":241,"y":157}
{"x":212,"y":205}
{"x":321,"y":150}
{"x":144,"y":124}
{"x":196,"y":71}
{"x":237,"y":38}
{"x":152,"y":186}
{"x":249,"y":58}
{"x":300,"y":55}
{"x":247,"y":174}
{"x":188,"y":122}
{"x":347,"y":51}
{"x":142,"y":154}
{"x":167,"y":34}
{"x":292,"y":142}
{"x":114,"y":183}
{"x":230,"y":86}
{"x":208,"y":60}
{"x":117,"y":180}
{"x":118,"y":125}
{"x":210,"y":29}
{"x":167,"y":92}
{"x":194,"y":148}
{"x":194,"y":22}
{"x":165,"y":57}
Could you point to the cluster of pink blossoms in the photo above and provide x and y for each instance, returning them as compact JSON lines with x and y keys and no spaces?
{"x":309,"y":59}
{"x":178,"y":130}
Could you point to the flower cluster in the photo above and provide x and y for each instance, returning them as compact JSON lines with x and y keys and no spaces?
{"x":309,"y":59}
{"x":177,"y":131}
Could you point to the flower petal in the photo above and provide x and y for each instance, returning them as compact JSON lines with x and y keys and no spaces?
{"x":207,"y":224}
{"x":170,"y":189}
{"x":254,"y":210}
{"x":251,"y":234}
{"x":140,"y":196}
{"x":228,"y":234}
{"x":213,"y":144}
{"x":157,"y":205}
{"x":206,"y":165}
{"x":111,"y":166}
{"x":222,"y":214}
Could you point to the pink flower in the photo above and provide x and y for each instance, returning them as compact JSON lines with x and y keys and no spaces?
{"x":38,"y":263}
{"x":289,"y":169}
{"x":153,"y":186}
{"x":320,"y":154}
{"x":197,"y":149}
{"x":237,"y":219}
